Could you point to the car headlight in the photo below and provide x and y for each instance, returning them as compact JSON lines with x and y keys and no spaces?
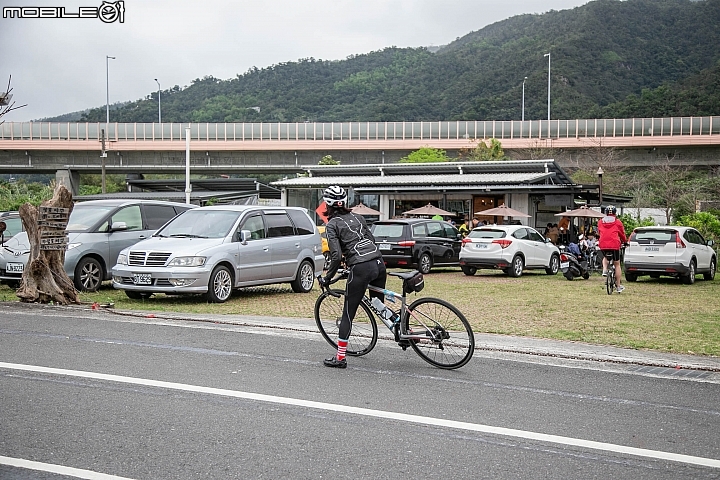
{"x":73,"y":245}
{"x":187,"y":262}
{"x":122,"y":259}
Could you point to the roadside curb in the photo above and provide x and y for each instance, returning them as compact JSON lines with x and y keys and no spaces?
{"x":570,"y":350}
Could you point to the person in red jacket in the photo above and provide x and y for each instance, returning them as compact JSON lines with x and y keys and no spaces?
{"x":612,"y":237}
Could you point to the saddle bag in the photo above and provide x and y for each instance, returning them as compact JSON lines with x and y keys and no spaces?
{"x":414,"y":284}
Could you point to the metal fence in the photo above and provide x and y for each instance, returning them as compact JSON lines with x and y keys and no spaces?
{"x":364,"y":131}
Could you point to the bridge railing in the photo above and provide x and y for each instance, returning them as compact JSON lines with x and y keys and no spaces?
{"x":363,"y":131}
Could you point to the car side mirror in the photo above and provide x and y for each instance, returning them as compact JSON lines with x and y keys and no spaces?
{"x":547,"y":240}
{"x":710,"y":243}
{"x":118,"y":226}
{"x":459,"y":236}
{"x":245,"y":235}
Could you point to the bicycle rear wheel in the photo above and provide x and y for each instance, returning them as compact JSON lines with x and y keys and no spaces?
{"x":450,"y":342}
{"x":328,"y":313}
{"x":610,"y":279}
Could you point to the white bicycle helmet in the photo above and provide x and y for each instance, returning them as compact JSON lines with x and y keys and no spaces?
{"x":335,"y":196}
{"x":610,"y":210}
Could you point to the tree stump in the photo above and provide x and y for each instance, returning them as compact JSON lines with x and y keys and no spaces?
{"x":44,"y":279}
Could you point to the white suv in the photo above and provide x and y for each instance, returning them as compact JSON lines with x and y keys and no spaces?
{"x":679,"y":252}
{"x":512,"y":248}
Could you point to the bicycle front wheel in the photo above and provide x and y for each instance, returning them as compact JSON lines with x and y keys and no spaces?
{"x":328,"y":313}
{"x":449,"y":341}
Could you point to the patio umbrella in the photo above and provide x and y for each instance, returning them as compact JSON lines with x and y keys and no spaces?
{"x":361,"y":209}
{"x":582,"y":212}
{"x":427,"y":210}
{"x":503,"y":211}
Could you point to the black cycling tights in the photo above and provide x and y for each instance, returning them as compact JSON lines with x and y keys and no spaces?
{"x":361,"y":275}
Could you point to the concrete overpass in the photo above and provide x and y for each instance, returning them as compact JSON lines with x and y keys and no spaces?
{"x":282,"y":148}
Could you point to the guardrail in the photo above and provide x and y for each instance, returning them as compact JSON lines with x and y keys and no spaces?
{"x":364,"y":131}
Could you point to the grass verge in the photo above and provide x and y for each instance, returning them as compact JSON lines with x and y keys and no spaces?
{"x":656,"y":314}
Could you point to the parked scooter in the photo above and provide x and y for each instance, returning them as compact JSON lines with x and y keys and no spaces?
{"x":573,"y":264}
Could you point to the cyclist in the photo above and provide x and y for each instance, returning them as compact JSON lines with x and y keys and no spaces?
{"x":612,"y":237}
{"x":349,"y":236}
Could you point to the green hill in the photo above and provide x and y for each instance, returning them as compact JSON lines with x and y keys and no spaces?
{"x":610,"y":58}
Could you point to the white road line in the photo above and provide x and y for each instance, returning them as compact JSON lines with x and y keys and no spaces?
{"x":59,"y":469}
{"x":474,"y":427}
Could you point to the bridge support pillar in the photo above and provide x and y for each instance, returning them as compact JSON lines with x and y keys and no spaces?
{"x":70,"y":179}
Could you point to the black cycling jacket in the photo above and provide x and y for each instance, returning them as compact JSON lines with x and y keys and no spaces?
{"x":349,"y":236}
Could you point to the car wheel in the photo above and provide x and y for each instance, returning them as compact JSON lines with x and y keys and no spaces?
{"x":711,"y":274}
{"x":586,"y":276}
{"x":469,"y":271}
{"x":220,"y":285}
{"x":631,"y":277}
{"x":425,"y":263}
{"x":304,"y":279}
{"x":554,"y":265}
{"x":689,"y":279}
{"x":569,"y":276}
{"x":13,"y":284}
{"x":137,"y":295}
{"x":517,"y":266}
{"x":88,"y":275}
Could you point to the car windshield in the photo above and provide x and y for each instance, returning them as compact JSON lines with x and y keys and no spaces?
{"x":388,"y":230}
{"x":486,"y":233}
{"x":198,"y":223}
{"x":83,"y":217}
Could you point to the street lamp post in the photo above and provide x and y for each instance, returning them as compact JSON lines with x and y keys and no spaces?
{"x":548,"y":55}
{"x":103,"y":155}
{"x":600,"y":174}
{"x":107,"y":89}
{"x":159,"y":109}
{"x":523,"y":100}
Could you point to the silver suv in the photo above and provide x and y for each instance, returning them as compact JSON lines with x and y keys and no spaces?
{"x":679,"y":252}
{"x":213,"y":250}
{"x":97,"y":231}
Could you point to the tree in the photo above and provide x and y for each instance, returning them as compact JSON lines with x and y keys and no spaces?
{"x":44,"y":279}
{"x":426,"y":155}
{"x":328,"y":160}
{"x":669,"y":185}
{"x":706,"y":223}
{"x":6,"y":103}
{"x":485,"y":152}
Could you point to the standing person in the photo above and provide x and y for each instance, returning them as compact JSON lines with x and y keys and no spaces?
{"x":612,"y":237}
{"x":553,"y":233}
{"x":464,"y":228}
{"x":349,"y":236}
{"x":564,"y":227}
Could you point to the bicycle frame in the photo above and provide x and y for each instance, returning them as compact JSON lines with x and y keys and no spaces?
{"x":396,"y":327}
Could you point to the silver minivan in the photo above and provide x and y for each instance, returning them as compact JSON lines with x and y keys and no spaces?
{"x":97,"y":231}
{"x":214,"y":250}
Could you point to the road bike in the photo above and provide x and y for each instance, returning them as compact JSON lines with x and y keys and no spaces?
{"x":435,"y":329}
{"x":610,"y":282}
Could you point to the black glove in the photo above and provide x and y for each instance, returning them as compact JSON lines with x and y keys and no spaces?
{"x":322,"y":281}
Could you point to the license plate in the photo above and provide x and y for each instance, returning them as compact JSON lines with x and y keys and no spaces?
{"x":565,"y":265}
{"x":385,"y":246}
{"x":652,"y":249}
{"x":142,"y":279}
{"x":481,"y":246}
{"x":14,"y":267}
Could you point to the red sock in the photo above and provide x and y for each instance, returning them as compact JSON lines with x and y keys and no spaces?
{"x":342,"y":347}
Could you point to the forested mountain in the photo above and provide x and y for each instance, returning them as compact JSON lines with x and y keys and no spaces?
{"x":609,"y":58}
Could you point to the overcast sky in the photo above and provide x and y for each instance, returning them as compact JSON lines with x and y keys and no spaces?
{"x":59,"y":65}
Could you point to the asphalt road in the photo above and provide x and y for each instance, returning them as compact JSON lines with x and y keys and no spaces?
{"x":119,"y":395}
